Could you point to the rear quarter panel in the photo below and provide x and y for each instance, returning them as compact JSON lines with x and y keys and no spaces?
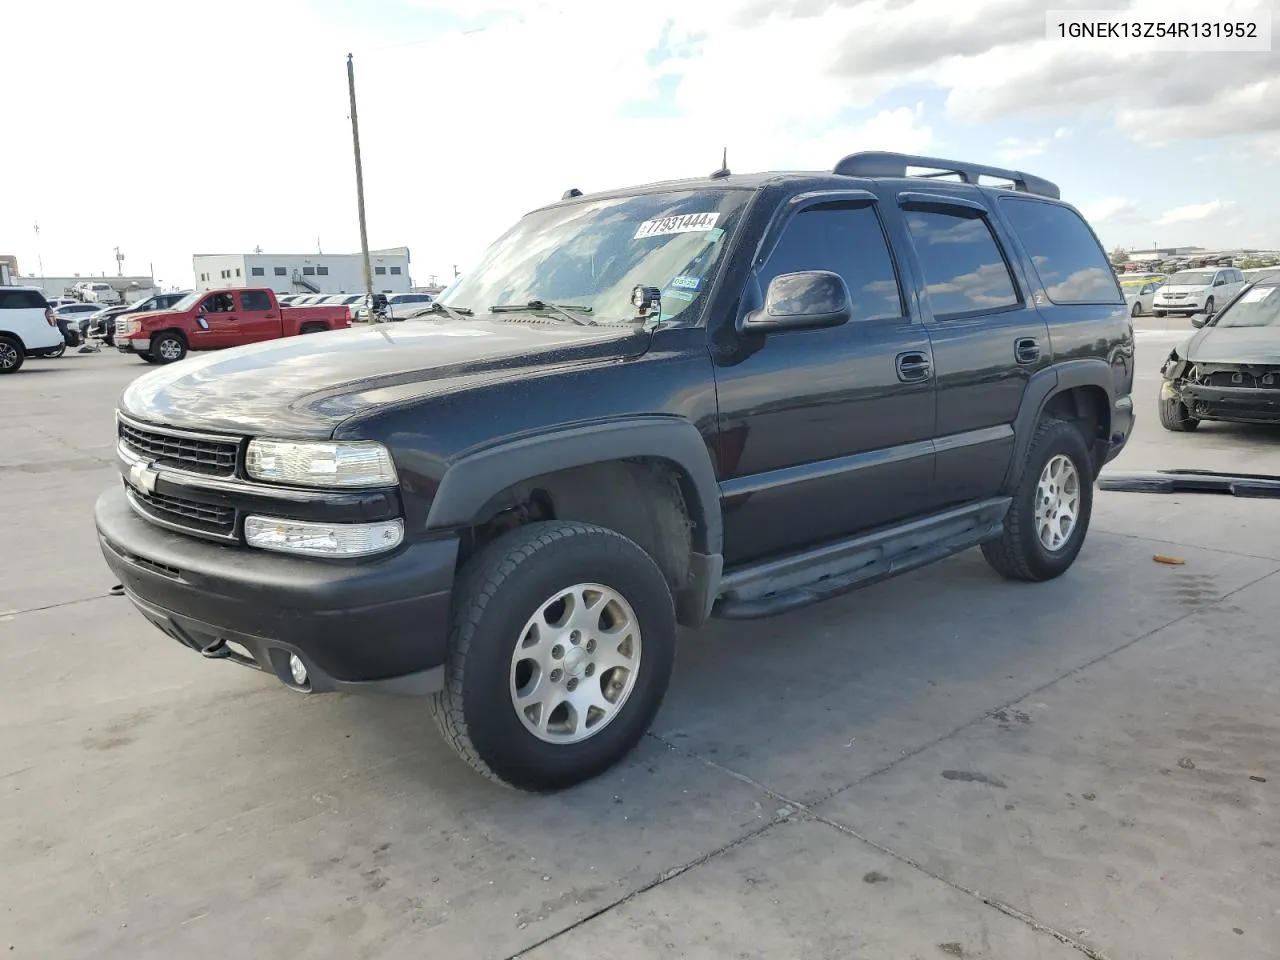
{"x":292,"y":318}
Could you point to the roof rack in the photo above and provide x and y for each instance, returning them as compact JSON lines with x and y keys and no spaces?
{"x":879,"y":164}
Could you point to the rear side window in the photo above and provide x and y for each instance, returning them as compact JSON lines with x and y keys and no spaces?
{"x":846,"y":239}
{"x":255,"y":300}
{"x":1068,"y":260}
{"x":964,"y":270}
{"x":21,"y":300}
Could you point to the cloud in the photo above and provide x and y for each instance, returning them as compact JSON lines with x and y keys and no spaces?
{"x":1194,"y":211}
{"x":1111,"y":210}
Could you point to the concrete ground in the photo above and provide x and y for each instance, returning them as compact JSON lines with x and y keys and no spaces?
{"x":945,"y":765}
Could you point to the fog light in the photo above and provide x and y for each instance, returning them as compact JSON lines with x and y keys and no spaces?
{"x":298,"y":669}
{"x":323,"y":539}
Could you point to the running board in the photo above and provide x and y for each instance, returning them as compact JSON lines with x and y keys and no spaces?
{"x":1193,"y":481}
{"x":778,"y":586}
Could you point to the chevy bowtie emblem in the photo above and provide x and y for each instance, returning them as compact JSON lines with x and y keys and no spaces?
{"x":143,"y":477}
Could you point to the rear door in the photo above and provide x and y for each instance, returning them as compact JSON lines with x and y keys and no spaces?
{"x":988,"y":340}
{"x":259,"y":317}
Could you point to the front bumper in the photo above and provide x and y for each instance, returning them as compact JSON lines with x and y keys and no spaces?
{"x":1237,"y":404}
{"x":377,"y":626}
{"x":133,"y":346}
{"x":1179,"y":306}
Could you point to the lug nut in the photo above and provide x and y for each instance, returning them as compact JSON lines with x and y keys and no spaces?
{"x":591,"y":646}
{"x":572,"y":684}
{"x":557,"y":651}
{"x":575,"y":637}
{"x":591,"y":669}
{"x":556,"y":675}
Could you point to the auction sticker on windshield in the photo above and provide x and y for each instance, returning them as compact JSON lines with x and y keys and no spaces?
{"x":685,"y":223}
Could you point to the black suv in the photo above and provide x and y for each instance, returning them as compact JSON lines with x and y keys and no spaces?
{"x":729,"y":396}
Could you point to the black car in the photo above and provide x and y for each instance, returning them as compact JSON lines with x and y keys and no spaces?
{"x":104,"y":321}
{"x":1230,"y":368}
{"x":730,"y":396}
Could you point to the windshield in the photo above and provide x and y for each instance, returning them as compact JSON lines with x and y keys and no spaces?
{"x":594,"y":254}
{"x":1259,"y":306}
{"x":1191,"y":278}
{"x":187,"y":302}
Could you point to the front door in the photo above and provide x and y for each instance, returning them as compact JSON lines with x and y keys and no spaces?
{"x":988,"y":340}
{"x":825,"y":433}
{"x":217,"y":322}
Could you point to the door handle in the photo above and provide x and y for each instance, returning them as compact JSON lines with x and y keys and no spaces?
{"x":914,"y":367}
{"x":1026,"y":350}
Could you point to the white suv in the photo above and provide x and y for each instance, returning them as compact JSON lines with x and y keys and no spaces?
{"x":27,"y":327}
{"x":101,"y":293}
{"x":1197,"y":291}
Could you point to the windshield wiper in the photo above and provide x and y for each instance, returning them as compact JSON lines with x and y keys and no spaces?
{"x":453,"y":313}
{"x":565,"y":311}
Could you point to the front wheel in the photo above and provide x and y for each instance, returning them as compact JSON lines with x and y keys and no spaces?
{"x":1049,"y":516}
{"x":561,"y":650}
{"x":168,"y":348}
{"x":57,"y":351}
{"x":1208,"y":307}
{"x":1137,"y":309}
{"x":1175,"y":416}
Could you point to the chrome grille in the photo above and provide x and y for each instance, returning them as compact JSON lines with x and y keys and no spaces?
{"x":191,"y":515}
{"x":183,"y":451}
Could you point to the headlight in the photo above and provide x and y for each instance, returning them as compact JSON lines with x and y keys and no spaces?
{"x":321,"y":464}
{"x":323,"y":539}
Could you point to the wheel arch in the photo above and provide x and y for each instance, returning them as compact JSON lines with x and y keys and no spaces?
{"x":1077,"y":390}
{"x":650,"y":478}
{"x":14,"y":335}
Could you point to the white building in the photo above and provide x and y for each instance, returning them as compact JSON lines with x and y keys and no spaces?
{"x":304,"y":273}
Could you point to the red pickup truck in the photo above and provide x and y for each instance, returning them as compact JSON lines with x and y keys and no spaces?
{"x":213,"y":319}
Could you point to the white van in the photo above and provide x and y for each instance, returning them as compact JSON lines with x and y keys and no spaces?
{"x":28,"y":327}
{"x":1197,"y":291}
{"x":101,"y":293}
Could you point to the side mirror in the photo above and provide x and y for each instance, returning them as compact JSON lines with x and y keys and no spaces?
{"x":801,"y":301}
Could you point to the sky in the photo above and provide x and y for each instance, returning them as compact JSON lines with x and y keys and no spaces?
{"x":169,"y":129}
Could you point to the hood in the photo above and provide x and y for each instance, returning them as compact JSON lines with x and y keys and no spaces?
{"x":1241,"y":345}
{"x":305,"y":386}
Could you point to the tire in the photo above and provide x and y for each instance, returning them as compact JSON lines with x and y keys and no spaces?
{"x":146,"y":358}
{"x":1160,"y":313}
{"x":1137,"y":309}
{"x":1208,"y":307}
{"x":311,"y":328}
{"x":1175,"y":417}
{"x":499,"y":594}
{"x":1020,"y":553}
{"x":57,"y":351}
{"x":167,"y":348}
{"x":12,"y":353}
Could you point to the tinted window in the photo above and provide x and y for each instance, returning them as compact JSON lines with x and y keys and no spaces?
{"x":322,"y":271}
{"x":21,"y":300}
{"x":281,"y":271}
{"x":1071,"y":265}
{"x":845,"y":239}
{"x":255,"y":300}
{"x":380,"y":270}
{"x":256,"y":271}
{"x":395,"y":270}
{"x":963,"y":269}
{"x":308,"y":271}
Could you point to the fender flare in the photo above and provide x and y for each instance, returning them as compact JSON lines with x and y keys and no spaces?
{"x":1043,"y":386}
{"x":471,"y":481}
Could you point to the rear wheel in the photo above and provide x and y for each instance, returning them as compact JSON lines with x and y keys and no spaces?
{"x":12,"y":354}
{"x":57,"y":351}
{"x":1137,"y":309}
{"x":312,"y":328}
{"x":1049,"y":516}
{"x":167,"y":348}
{"x":561,"y":650}
{"x":1175,"y":416}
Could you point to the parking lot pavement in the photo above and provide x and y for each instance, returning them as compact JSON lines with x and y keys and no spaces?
{"x":945,"y":765}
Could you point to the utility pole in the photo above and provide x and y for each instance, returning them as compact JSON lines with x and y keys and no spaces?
{"x":39,"y":258}
{"x":355,"y":139}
